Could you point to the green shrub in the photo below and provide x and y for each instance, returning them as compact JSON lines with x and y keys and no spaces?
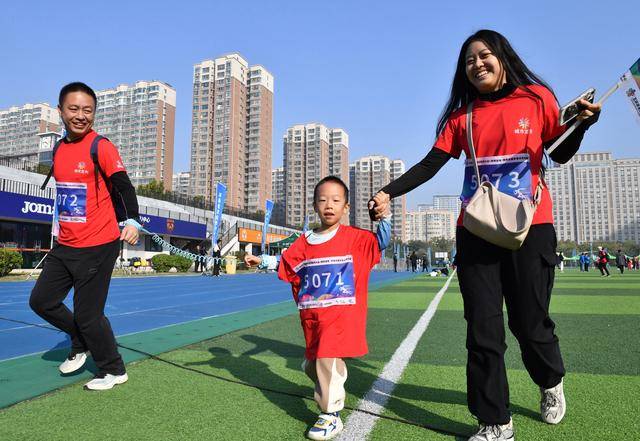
{"x":163,"y":262}
{"x":9,"y":260}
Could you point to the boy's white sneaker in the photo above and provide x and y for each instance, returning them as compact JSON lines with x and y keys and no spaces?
{"x":496,"y":432}
{"x":73,"y":362}
{"x":328,"y":426}
{"x":553,"y":404}
{"x":105,"y":381}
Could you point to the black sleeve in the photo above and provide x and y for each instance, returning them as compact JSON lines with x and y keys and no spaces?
{"x":567,"y":148}
{"x":120,"y":180}
{"x":418,"y":174}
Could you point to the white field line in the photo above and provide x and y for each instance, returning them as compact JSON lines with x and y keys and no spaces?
{"x":359,"y":424}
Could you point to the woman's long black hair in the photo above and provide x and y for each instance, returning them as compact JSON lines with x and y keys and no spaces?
{"x":463,"y":92}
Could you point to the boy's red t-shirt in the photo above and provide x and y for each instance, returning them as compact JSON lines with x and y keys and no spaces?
{"x":330,"y":282}
{"x":519,"y":123}
{"x":86,"y":217}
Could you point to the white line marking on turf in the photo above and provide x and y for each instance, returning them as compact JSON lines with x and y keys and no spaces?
{"x":360,"y":424}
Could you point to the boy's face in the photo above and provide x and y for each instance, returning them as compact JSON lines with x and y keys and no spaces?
{"x":330,"y":203}
{"x":77,"y":113}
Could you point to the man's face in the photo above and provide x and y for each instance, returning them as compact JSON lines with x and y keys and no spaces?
{"x":78,"y":111}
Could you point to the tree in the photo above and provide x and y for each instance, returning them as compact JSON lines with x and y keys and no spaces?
{"x":154,"y":189}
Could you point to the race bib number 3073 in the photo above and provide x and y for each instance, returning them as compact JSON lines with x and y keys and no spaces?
{"x":326,"y":281}
{"x":510,"y":174}
{"x":71,"y":199}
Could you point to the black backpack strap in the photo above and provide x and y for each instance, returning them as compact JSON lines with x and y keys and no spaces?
{"x":96,"y":162}
{"x":53,"y":155}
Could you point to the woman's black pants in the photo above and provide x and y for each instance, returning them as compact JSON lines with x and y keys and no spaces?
{"x":489,"y":274}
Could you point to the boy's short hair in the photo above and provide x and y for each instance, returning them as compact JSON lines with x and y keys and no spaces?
{"x":335,"y":180}
{"x":76,"y":86}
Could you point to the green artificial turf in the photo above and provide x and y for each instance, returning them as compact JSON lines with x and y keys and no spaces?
{"x":598,"y":336}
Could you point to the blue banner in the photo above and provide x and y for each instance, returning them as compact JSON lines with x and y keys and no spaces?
{"x":35,"y":209}
{"x":305,"y":228}
{"x":221,"y":195}
{"x":267,"y":218}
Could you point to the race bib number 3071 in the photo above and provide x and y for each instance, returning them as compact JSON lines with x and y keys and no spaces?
{"x":71,"y":199}
{"x":326,"y":282}
{"x":510,"y":174}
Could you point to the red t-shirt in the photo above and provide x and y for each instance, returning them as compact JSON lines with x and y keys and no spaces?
{"x":519,"y":123}
{"x":86,"y":219}
{"x":330,"y":282}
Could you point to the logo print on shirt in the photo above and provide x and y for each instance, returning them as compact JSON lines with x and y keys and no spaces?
{"x":80,"y":169}
{"x":523,"y":127}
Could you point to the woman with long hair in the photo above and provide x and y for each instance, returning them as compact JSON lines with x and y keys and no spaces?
{"x":514,"y":117}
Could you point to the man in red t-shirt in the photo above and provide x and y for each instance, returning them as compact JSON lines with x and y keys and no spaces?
{"x":88,"y":241}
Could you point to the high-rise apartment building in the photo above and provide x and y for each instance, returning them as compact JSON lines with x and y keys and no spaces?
{"x":20,"y":126}
{"x":278,"y":194}
{"x":181,"y":183}
{"x":596,"y":198}
{"x":447,"y":202}
{"x":311,"y":152}
{"x":425,"y":225}
{"x":231,"y":131}
{"x":369,"y":175}
{"x":140,"y":120}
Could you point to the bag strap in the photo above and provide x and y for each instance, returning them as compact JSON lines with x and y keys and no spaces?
{"x":96,"y":163}
{"x":472,"y":149}
{"x":53,"y":155}
{"x":537,"y":196}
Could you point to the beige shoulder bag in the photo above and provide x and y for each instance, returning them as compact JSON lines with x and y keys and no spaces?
{"x":496,"y":217}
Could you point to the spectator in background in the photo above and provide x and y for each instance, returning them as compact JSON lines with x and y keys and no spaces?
{"x":603,"y":259}
{"x":621,"y":261}
{"x":395,"y":262}
{"x":218,"y":258}
{"x":413,"y":257}
{"x":198,"y":265}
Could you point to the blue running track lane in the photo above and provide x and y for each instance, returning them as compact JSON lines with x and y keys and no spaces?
{"x":139,"y":304}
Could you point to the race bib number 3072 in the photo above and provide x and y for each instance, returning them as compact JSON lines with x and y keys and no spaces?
{"x":71,"y":199}
{"x":326,"y":281}
{"x":510,"y":174}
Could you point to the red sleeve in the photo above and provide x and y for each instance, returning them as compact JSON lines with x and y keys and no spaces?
{"x":448,"y":140}
{"x":109,"y":158}
{"x":550,"y":115}
{"x":285,"y":272}
{"x":369,"y":249}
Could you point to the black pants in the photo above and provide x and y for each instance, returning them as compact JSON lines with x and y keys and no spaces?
{"x":88,"y":270}
{"x":524,"y":278}
{"x":603,"y":268}
{"x":621,"y":268}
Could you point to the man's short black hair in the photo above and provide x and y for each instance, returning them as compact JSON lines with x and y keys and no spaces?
{"x":76,"y":86}
{"x":334,"y":179}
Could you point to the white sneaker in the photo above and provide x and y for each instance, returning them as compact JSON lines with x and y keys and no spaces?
{"x":73,"y":362}
{"x":553,"y":404}
{"x":495,"y":432}
{"x":105,"y":381}
{"x":328,"y":426}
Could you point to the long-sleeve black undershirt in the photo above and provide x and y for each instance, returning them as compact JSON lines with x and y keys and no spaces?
{"x":121,"y":182}
{"x":436,"y":158}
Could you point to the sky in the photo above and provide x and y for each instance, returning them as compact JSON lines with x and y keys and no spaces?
{"x":381,"y":71}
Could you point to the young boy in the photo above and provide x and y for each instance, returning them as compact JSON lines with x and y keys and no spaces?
{"x":328,"y":269}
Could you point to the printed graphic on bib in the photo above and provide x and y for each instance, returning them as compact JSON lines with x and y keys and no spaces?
{"x":326,"y":281}
{"x":510,"y":174}
{"x":71,"y":201}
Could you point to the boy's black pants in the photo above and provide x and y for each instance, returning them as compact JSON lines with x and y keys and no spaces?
{"x":88,"y":270}
{"x":524,"y":278}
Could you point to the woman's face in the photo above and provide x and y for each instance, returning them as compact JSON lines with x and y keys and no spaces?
{"x":483,"y":69}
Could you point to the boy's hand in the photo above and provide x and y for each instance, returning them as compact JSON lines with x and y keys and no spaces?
{"x":251,"y":260}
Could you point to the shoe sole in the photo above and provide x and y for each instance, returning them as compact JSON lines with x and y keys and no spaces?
{"x":115,"y":383}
